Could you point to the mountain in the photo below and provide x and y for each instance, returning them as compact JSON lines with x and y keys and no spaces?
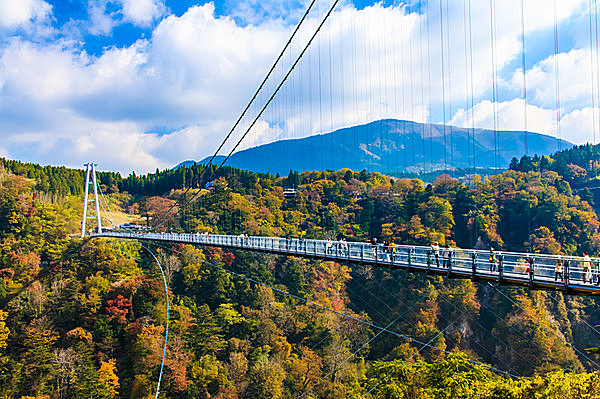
{"x":185,"y":164}
{"x":391,"y":146}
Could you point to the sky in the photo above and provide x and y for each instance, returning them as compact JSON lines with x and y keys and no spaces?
{"x":136,"y":85}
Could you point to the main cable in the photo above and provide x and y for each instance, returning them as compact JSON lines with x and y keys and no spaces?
{"x":254,"y":96}
{"x":269,"y":100}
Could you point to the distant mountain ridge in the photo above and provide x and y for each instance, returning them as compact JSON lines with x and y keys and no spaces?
{"x":392,"y":146}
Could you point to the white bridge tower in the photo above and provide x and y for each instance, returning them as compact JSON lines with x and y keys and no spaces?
{"x":91,"y":169}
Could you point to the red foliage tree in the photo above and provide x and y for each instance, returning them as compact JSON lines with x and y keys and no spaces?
{"x":118,"y":308}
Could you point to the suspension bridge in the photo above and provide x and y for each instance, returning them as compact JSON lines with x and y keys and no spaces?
{"x":283,"y":93}
{"x":537,"y":271}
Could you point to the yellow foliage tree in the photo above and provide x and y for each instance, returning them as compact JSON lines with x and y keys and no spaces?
{"x":108,"y":378}
{"x":4,"y":331}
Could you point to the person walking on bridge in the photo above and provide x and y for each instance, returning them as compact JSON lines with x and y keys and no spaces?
{"x":447,"y":255}
{"x":493,"y":260}
{"x":374,"y":246}
{"x":392,"y":250}
{"x":587,"y":268}
{"x":558,"y":271}
{"x":435,"y":248}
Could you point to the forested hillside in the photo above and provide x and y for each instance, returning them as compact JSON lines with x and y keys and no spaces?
{"x":85,"y":318}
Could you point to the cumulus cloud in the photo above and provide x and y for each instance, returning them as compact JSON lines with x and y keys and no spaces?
{"x":255,"y":12}
{"x":142,"y":12}
{"x":509,"y":116}
{"x":57,"y":100}
{"x":578,"y":126}
{"x":100,"y":23}
{"x":15,"y":14}
{"x":103,"y":16}
{"x":581,"y":126}
{"x":575,"y":79}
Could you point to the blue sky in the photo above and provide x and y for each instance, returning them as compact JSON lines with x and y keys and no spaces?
{"x":141,"y":84}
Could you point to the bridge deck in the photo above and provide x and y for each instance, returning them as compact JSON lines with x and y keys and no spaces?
{"x":512,"y":268}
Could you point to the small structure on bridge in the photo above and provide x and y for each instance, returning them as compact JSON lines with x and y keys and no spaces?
{"x":289,"y":192}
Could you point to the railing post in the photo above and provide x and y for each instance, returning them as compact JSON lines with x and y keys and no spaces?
{"x":531,"y":271}
{"x":566,"y":271}
{"x":362,"y":253}
{"x":449,"y":262}
{"x":409,"y":258}
{"x":429,"y":260}
{"x":474,"y":266}
{"x":501,"y":268}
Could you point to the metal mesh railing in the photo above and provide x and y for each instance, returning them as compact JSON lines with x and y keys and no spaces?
{"x":541,"y":270}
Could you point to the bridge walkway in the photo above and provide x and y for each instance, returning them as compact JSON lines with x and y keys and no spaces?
{"x":536,"y":271}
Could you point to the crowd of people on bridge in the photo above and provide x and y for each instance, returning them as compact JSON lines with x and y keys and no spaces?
{"x":588,"y":270}
{"x":585,"y":269}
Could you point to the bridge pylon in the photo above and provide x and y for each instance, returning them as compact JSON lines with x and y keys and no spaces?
{"x":91,"y":170}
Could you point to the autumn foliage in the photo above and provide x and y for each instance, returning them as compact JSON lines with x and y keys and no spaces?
{"x":87,"y":318}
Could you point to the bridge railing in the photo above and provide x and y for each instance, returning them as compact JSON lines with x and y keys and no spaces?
{"x":507,"y":265}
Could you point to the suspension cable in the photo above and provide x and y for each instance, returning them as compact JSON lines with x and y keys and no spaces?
{"x":339,"y":313}
{"x":109,"y":214}
{"x":167,"y":324}
{"x":270,"y":98}
{"x":557,"y":77}
{"x":443,"y":82}
{"x":472,"y":104}
{"x":494,"y":78}
{"x":423,"y":347}
{"x":254,"y":96}
{"x":423,"y":297}
{"x":524,"y":69}
{"x":597,"y":48}
{"x":520,"y":307}
{"x":592,"y":72}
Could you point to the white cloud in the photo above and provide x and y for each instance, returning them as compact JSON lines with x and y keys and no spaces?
{"x":509,"y":116}
{"x":142,"y":12}
{"x":574,"y":79}
{"x":579,"y":125}
{"x":100,"y":23}
{"x":19,"y":13}
{"x":576,"y":126}
{"x":57,"y":102}
{"x":196,"y":72}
